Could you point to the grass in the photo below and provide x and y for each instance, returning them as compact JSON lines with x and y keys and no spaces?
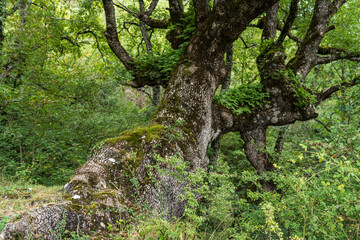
{"x":19,"y":197}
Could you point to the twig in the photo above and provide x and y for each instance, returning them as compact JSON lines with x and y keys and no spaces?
{"x":323,"y":124}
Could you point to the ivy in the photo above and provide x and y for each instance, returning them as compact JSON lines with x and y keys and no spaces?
{"x":242,"y":99}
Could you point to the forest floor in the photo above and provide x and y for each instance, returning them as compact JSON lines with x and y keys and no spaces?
{"x":19,"y":197}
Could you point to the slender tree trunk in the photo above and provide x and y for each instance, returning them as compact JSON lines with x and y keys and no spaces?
{"x":214,"y":154}
{"x":156,"y":90}
{"x":229,"y":63}
{"x":279,"y":144}
{"x":2,"y":21}
{"x":255,"y":150}
{"x":215,"y":145}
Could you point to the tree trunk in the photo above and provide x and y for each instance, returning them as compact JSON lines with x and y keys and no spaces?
{"x":139,"y":170}
{"x":156,"y":91}
{"x":131,"y":170}
{"x":2,"y":21}
{"x":279,"y":144}
{"x":255,"y":150}
{"x":215,"y":145}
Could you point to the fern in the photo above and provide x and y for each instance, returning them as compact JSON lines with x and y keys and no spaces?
{"x":242,"y":99}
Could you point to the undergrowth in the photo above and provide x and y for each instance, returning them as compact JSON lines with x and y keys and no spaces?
{"x":317,"y":198}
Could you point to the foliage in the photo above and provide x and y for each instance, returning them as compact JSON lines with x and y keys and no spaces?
{"x":161,"y":64}
{"x":317,"y":198}
{"x":56,"y":101}
{"x":304,"y":97}
{"x":3,"y":221}
{"x":243,"y":98}
{"x":62,"y":96}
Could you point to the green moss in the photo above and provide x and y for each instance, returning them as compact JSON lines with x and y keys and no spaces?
{"x":303,"y":97}
{"x":272,"y":56}
{"x":138,"y":134}
{"x":104,"y":194}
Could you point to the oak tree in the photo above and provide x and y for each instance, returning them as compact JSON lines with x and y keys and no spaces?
{"x":127,"y":173}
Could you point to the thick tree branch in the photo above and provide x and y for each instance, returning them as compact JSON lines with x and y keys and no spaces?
{"x":325,"y":60}
{"x":289,"y":22}
{"x":223,"y":26}
{"x":306,"y":57}
{"x":327,"y":93}
{"x":334,"y":54}
{"x":271,"y":22}
{"x":226,"y":120}
{"x":112,"y":36}
{"x":202,"y":10}
{"x":176,"y":10}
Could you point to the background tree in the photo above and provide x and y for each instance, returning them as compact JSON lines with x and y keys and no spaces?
{"x":56,"y":101}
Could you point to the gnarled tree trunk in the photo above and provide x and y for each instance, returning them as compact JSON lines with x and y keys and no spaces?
{"x":135,"y":171}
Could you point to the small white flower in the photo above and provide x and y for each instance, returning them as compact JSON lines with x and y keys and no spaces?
{"x":111,"y":160}
{"x":76,"y":197}
{"x":102,"y":224}
{"x":66,"y":185}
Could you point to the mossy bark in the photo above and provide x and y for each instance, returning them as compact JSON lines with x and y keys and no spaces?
{"x":129,"y":174}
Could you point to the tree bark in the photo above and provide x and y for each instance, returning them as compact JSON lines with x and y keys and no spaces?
{"x":138,"y":168}
{"x":215,"y":144}
{"x":2,"y":21}
{"x":124,"y":173}
{"x":156,"y":90}
{"x":255,"y":150}
{"x":279,"y":144}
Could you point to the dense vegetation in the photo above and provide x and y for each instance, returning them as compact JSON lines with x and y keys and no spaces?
{"x":62,"y":92}
{"x":57,"y":100}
